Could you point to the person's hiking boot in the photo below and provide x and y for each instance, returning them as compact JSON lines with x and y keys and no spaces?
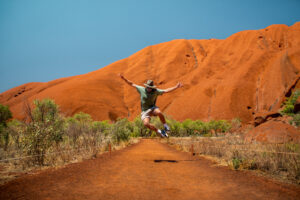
{"x":164,"y":133}
{"x":167,"y":128}
{"x":160,"y":132}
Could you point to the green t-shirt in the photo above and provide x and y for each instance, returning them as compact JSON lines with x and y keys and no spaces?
{"x":148,"y":99}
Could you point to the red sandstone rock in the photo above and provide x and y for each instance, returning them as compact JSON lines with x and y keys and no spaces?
{"x":262,"y":117}
{"x":247,"y":73}
{"x":273,"y":132}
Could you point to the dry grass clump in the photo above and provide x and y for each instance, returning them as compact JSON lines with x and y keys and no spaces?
{"x":281,"y":160}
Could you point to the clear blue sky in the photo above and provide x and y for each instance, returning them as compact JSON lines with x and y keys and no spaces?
{"x":42,"y":40}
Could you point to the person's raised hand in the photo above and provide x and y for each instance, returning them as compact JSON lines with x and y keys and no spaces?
{"x":179,"y":85}
{"x":121,"y":76}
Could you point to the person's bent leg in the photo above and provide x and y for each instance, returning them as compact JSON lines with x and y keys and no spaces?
{"x":146,"y":122}
{"x":158,"y":113}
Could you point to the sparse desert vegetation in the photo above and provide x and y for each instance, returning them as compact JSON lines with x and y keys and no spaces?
{"x":280,"y":160}
{"x":47,"y":138}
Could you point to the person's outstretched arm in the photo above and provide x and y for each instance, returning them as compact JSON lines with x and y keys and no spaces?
{"x":127,"y":81}
{"x":179,"y":85}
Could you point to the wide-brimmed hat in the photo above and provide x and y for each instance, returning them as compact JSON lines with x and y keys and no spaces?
{"x":150,"y":84}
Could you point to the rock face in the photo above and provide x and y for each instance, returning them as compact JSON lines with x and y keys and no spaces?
{"x":273,"y":132}
{"x":249,"y":72}
{"x":260,"y":118}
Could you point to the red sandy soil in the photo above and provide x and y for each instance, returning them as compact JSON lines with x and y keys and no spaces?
{"x":249,"y":72}
{"x":147,"y":170}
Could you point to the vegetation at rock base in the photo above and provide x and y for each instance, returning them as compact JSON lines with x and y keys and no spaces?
{"x":289,"y":108}
{"x":289,"y":104}
{"x":50,"y":139}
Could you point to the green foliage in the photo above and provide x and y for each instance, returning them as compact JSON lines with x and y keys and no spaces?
{"x":288,"y":110}
{"x":80,"y":124}
{"x":4,"y":136}
{"x":193,"y":128}
{"x":236,"y":163}
{"x":5,"y":115}
{"x":176,"y":128}
{"x":202,"y":127}
{"x":83,"y":118}
{"x":121,"y":130}
{"x":101,"y":126}
{"x":139,"y":130}
{"x":236,"y":159}
{"x":189,"y":126}
{"x":220,"y":126}
{"x":46,"y":129}
{"x":45,"y":110}
{"x":289,"y":104}
{"x":296,"y":119}
{"x":16,"y":131}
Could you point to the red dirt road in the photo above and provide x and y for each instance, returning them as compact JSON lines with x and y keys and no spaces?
{"x":147,"y":170}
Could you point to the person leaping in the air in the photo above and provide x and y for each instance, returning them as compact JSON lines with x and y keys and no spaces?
{"x":148,"y":99}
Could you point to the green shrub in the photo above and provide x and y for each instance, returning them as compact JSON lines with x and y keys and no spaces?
{"x":236,"y":163}
{"x":139,"y":130}
{"x":102,"y":127}
{"x":289,"y":104}
{"x":46,"y":129}
{"x":5,"y":115}
{"x":225,"y":126}
{"x":82,"y":125}
{"x":45,"y":110}
{"x":16,"y":131}
{"x":192,"y":128}
{"x":83,"y":118}
{"x":288,"y":109}
{"x":73,"y":130}
{"x":296,"y":120}
{"x":175,"y":127}
{"x":202,"y":128}
{"x":220,"y":126}
{"x":188,"y":127}
{"x":121,"y":130}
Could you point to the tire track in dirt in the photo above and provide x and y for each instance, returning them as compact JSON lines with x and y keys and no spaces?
{"x":147,"y":170}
